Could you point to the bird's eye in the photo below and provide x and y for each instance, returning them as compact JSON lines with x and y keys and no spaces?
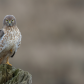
{"x":12,"y":20}
{"x":6,"y":20}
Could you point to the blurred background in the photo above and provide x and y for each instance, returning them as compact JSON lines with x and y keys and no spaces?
{"x":52,"y":47}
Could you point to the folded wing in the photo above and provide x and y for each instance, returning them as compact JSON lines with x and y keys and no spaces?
{"x":1,"y":33}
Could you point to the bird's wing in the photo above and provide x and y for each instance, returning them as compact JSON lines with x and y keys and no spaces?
{"x":2,"y":46}
{"x":1,"y":33}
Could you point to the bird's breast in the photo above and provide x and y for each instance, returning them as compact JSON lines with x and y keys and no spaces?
{"x":11,"y":38}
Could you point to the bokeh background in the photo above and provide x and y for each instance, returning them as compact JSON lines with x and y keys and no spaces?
{"x":52,"y":48}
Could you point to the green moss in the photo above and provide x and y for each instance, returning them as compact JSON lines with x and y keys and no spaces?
{"x":11,"y":75}
{"x":15,"y":72}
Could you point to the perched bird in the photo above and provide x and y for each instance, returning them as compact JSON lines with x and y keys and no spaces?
{"x":10,"y":39}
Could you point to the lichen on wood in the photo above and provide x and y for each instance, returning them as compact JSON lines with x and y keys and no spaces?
{"x":11,"y":75}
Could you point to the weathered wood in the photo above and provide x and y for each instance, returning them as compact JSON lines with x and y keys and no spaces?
{"x":11,"y":75}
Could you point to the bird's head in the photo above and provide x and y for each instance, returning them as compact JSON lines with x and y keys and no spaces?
{"x":9,"y":21}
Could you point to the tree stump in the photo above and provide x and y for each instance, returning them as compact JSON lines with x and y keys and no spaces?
{"x":11,"y":75}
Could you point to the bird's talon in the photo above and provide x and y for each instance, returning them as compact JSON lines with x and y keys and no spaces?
{"x":8,"y":64}
{"x":8,"y":61}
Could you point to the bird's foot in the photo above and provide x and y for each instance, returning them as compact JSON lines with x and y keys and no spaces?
{"x":8,"y":63}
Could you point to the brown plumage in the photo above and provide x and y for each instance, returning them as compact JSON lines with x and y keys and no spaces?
{"x":10,"y":39}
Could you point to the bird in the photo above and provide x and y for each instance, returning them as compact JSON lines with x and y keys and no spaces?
{"x":10,"y":39}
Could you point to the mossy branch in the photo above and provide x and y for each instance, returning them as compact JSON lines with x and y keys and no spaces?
{"x":11,"y":75}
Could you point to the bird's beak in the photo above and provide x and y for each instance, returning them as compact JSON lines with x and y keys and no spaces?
{"x":10,"y":23}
